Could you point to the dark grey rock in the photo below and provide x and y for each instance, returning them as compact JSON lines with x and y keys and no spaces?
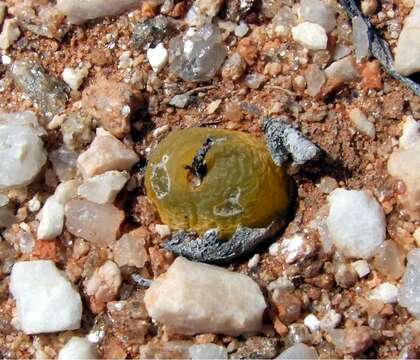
{"x":48,"y":93}
{"x":151,"y":32}
{"x":197,"y":55}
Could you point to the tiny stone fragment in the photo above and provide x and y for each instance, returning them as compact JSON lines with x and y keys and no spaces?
{"x":311,"y":36}
{"x":78,"y":348}
{"x":105,"y":282}
{"x":340,"y":72}
{"x":283,"y":21}
{"x":158,"y":57}
{"x":234,"y":67}
{"x":112,"y":103}
{"x":180,"y":101}
{"x":9,"y":34}
{"x":317,"y":12}
{"x":46,"y":301}
{"x":129,"y":249}
{"x":180,"y":299}
{"x":410,"y":284}
{"x":315,"y":79}
{"x":198,"y":54}
{"x":207,"y":351}
{"x":105,"y":153}
{"x":74,"y":77}
{"x":362,"y":123}
{"x":361,"y":267}
{"x":386,"y":293}
{"x":93,"y":222}
{"x":330,"y":320}
{"x":389,"y":260}
{"x":299,"y":351}
{"x":45,"y":91}
{"x":312,"y":322}
{"x":203,"y":12}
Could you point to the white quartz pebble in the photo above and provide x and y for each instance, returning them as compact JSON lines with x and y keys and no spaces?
{"x":105,"y":153}
{"x":409,"y":293}
{"x":79,"y":11}
{"x":311,"y":36}
{"x":46,"y":300}
{"x":22,"y":152}
{"x":158,"y":57}
{"x":318,"y":12}
{"x":407,"y":52}
{"x":192,"y":298}
{"x":78,"y":348}
{"x":312,"y":322}
{"x":103,"y":188}
{"x":74,"y":77}
{"x":361,"y":267}
{"x":51,"y":215}
{"x":356,"y":223}
{"x":299,"y":351}
{"x":361,"y":122}
{"x":208,"y":352}
{"x":386,"y":293}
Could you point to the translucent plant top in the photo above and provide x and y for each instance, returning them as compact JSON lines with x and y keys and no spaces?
{"x":200,"y":179}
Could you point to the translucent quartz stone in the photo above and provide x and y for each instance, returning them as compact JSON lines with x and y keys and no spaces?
{"x":197,"y":55}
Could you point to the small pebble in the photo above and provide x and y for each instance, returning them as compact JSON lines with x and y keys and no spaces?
{"x":361,"y":122}
{"x":311,"y":36}
{"x":158,"y":57}
{"x":78,"y":348}
{"x":241,"y":30}
{"x":253,"y":262}
{"x":386,"y":293}
{"x":74,"y":77}
{"x":361,"y":267}
{"x":312,"y":322}
{"x":163,"y":230}
{"x":330,"y":320}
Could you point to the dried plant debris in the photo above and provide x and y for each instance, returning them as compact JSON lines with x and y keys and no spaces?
{"x":378,"y":46}
{"x":209,"y":248}
{"x":285,"y":142}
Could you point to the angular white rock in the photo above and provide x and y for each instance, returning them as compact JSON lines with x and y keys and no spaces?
{"x":7,"y":216}
{"x":193,"y":298}
{"x":362,"y":123}
{"x":162,"y":230}
{"x":409,"y":293}
{"x":299,"y":351}
{"x":207,"y":351}
{"x":51,"y":215}
{"x":93,"y":222}
{"x":407,"y":52}
{"x":103,"y":188}
{"x":356,"y":223}
{"x":410,"y":134}
{"x":105,"y":153}
{"x":317,"y":12}
{"x":130,"y":249}
{"x":386,"y":293}
{"x":361,"y":267}
{"x":311,"y":36}
{"x":105,"y":282}
{"x":78,"y":348}
{"x":312,"y":322}
{"x":158,"y":57}
{"x":80,"y":11}
{"x":404,"y":164}
{"x":74,"y":77}
{"x":46,"y":300}
{"x":22,"y":152}
{"x":9,"y":34}
{"x":330,"y":320}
